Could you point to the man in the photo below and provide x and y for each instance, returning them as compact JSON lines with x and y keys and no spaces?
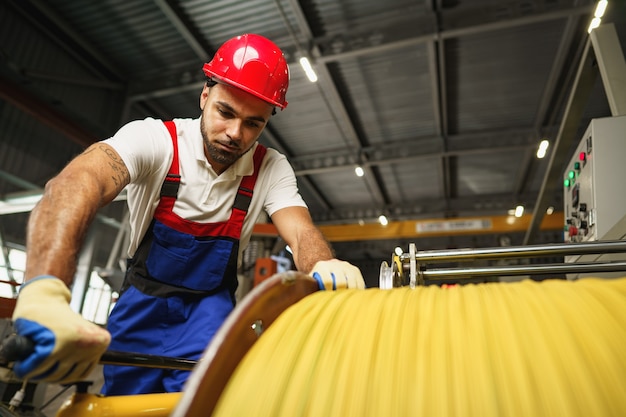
{"x":195,"y":188}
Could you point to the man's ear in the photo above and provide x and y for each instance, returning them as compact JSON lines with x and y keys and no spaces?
{"x":204,"y":95}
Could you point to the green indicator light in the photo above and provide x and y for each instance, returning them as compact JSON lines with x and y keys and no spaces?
{"x":571,"y":175}
{"x":577,"y":166}
{"x":566,"y":183}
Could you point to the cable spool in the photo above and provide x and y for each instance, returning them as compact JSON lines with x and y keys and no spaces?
{"x":497,"y":349}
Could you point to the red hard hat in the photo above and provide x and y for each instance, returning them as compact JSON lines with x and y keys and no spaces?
{"x":253,"y":63}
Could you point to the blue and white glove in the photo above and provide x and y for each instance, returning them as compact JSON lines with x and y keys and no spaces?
{"x":67,"y":347}
{"x":335,"y":274}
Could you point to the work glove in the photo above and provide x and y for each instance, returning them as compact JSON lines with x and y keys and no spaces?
{"x":67,"y":347}
{"x":335,"y":274}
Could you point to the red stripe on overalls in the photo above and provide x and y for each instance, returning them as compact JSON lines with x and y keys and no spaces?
{"x":230,"y":228}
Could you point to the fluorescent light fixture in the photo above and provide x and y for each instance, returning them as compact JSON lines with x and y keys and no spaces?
{"x":25,"y":201}
{"x":543,"y":149}
{"x":382,"y":219}
{"x":594,"y":24}
{"x":597,"y":15}
{"x":12,"y":208}
{"x":600,"y":8}
{"x":519,"y":210}
{"x":23,"y":197}
{"x":359,"y":171}
{"x":308,"y":69}
{"x":20,"y":202}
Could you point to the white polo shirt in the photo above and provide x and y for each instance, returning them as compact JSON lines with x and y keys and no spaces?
{"x":146,"y":148}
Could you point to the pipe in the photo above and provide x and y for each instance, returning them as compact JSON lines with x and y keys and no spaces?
{"x":524,"y":251}
{"x":523,"y":270}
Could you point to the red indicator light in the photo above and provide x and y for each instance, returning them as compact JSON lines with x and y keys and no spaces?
{"x":582,"y":156}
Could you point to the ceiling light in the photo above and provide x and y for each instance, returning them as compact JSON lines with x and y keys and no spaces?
{"x":594,"y":24}
{"x":20,"y":202}
{"x":24,"y":197}
{"x":543,"y":149}
{"x":359,"y":171}
{"x":383,"y":220}
{"x":550,"y":210}
{"x":519,"y":210}
{"x":308,"y":69}
{"x":597,"y":15}
{"x":600,"y":8}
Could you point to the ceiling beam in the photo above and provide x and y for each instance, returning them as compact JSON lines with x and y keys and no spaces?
{"x":458,"y":32}
{"x":183,"y":26}
{"x":44,"y":113}
{"x":411,"y":158}
{"x":395,"y":152}
{"x":42,"y":15}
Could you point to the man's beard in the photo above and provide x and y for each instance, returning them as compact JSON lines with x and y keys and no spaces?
{"x":218,"y":155}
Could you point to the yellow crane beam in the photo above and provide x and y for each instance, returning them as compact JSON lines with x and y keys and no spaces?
{"x":427,"y":227}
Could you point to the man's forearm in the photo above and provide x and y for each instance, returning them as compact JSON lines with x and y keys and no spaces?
{"x":56,"y":229}
{"x":312,"y":247}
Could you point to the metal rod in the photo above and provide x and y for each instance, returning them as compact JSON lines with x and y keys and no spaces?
{"x":524,"y":270}
{"x":16,"y":347}
{"x":527,"y":251}
{"x":112,"y":357}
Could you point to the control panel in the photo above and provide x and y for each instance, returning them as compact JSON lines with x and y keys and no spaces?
{"x":594,"y":186}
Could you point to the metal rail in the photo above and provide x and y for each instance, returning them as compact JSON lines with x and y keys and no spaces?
{"x":112,"y":357}
{"x":523,"y":270}
{"x":16,"y":347}
{"x":527,"y":251}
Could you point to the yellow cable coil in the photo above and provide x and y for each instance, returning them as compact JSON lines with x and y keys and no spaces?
{"x":555,"y":348}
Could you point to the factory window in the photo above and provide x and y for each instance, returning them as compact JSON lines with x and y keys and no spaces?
{"x":12,"y":275}
{"x":99,"y":300}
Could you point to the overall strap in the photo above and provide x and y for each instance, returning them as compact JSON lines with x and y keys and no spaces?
{"x":169,"y":189}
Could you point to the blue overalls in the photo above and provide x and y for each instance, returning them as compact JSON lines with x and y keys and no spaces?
{"x":179,"y":287}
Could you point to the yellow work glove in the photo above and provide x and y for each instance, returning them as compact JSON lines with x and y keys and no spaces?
{"x":67,"y":347}
{"x":335,"y":274}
